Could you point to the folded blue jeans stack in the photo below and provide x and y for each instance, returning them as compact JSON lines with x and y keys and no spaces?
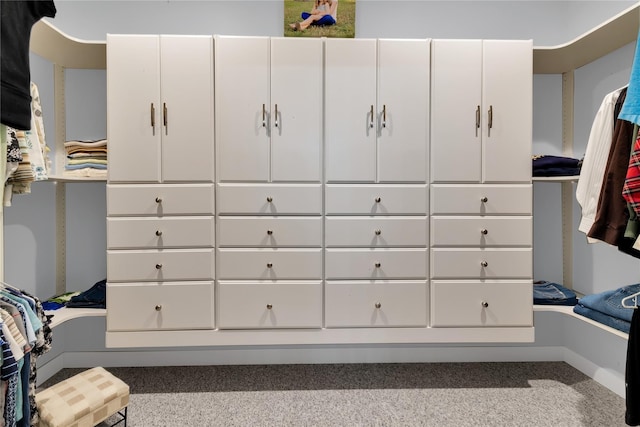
{"x":549,"y":293}
{"x":606,"y":307}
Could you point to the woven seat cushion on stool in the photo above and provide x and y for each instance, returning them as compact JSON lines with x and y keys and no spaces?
{"x":86,"y":399}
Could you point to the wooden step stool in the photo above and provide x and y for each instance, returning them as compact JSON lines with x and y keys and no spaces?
{"x":84,"y":400}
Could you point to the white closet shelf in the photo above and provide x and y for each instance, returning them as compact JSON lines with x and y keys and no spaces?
{"x":572,"y":178}
{"x":67,"y":51}
{"x":63,"y":178}
{"x":568,"y":310}
{"x":70,"y":52}
{"x":612,"y":34}
{"x":63,"y":314}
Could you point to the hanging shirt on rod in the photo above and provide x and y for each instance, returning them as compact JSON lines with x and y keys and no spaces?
{"x":595,"y":161}
{"x":16,"y":20}
{"x":631,"y":108}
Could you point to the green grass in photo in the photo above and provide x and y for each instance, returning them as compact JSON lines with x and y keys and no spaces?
{"x":345,"y":26}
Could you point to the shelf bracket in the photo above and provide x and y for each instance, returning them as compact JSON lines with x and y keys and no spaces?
{"x":60,"y":126}
{"x":567,"y":187}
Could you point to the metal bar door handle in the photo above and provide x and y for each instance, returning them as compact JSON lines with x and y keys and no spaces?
{"x":165,"y":118}
{"x":152,"y":112}
{"x":384,"y":116}
{"x":276,"y":111}
{"x":371,"y":122}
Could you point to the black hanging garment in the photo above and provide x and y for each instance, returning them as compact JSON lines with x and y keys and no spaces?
{"x":16,"y":20}
{"x":632,"y":372}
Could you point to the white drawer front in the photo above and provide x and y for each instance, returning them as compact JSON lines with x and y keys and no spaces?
{"x":153,"y":306}
{"x":160,"y":199}
{"x":376,"y":264}
{"x":470,"y":199}
{"x":371,"y":304}
{"x":482,"y":231}
{"x":269,"y":199}
{"x":269,"y":232}
{"x":449,"y":263}
{"x":468,"y":304}
{"x":376,"y":200}
{"x":165,"y":232}
{"x":160,"y":265}
{"x":269,"y":264}
{"x":269,"y":305}
{"x":376,"y":231}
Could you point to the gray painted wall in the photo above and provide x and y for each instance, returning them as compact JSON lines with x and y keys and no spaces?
{"x":29,"y":224}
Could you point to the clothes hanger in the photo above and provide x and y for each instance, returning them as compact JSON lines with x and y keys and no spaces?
{"x":633,"y":297}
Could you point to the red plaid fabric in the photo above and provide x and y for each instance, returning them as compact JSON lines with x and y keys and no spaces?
{"x":631,"y":188}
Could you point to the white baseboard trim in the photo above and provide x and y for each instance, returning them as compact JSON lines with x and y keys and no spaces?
{"x":609,"y":378}
{"x":49,"y":369}
{"x":613,"y":380}
{"x":300,"y":355}
{"x":604,"y":361}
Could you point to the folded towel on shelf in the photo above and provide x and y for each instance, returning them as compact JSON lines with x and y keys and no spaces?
{"x":86,"y":165}
{"x":86,"y":144}
{"x":85,"y":155}
{"x":86,"y":173}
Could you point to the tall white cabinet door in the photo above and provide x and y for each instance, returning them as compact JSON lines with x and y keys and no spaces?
{"x":508,"y":102}
{"x":403,"y":110}
{"x":134,"y":127}
{"x":350,"y":117}
{"x":455,"y":110}
{"x":242,"y":108}
{"x":187,"y":108}
{"x":296,"y":109}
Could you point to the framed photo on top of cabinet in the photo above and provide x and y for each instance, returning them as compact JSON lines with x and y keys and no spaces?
{"x":320,"y":18}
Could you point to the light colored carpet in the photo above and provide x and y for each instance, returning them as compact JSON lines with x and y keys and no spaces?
{"x":430,"y":394}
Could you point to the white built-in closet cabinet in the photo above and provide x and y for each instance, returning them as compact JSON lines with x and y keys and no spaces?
{"x":481,"y":196}
{"x":269,"y":191}
{"x":376,"y":141}
{"x":355,"y":201}
{"x":160,"y":195}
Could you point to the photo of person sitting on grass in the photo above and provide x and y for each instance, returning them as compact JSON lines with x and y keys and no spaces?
{"x":324,"y":12}
{"x":319,"y":18}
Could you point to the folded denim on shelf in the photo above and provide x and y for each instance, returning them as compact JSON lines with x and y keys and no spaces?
{"x":94,"y":297}
{"x":610,"y":302}
{"x":613,"y":322}
{"x":549,"y":293}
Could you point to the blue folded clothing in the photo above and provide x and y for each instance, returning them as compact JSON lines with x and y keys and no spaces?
{"x":610,"y":302}
{"x":613,"y":322}
{"x":606,"y":307}
{"x":94,"y":297}
{"x":547,"y":165}
{"x":549,"y":293}
{"x":50,"y":305}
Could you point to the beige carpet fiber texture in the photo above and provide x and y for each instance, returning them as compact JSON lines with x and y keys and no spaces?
{"x":416,"y":394}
